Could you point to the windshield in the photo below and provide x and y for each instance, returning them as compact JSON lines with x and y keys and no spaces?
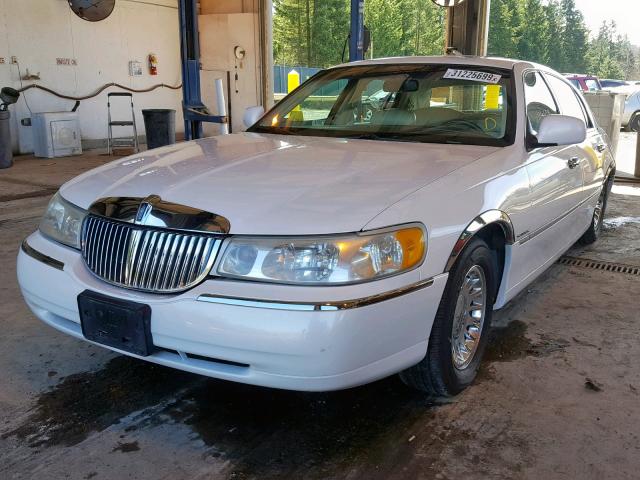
{"x":592,"y":85}
{"x":420,"y":103}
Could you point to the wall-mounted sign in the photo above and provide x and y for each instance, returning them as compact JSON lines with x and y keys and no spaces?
{"x":68,"y":62}
{"x":92,"y":10}
{"x":135,"y":68}
{"x":447,"y":3}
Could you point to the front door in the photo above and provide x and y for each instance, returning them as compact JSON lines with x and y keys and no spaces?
{"x":593,"y":150}
{"x":555,"y":173}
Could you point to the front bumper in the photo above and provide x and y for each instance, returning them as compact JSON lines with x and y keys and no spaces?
{"x":266,"y":342}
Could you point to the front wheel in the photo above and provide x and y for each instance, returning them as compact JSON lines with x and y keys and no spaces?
{"x":459,"y":333}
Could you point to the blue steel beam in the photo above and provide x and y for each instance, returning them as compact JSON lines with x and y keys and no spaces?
{"x":356,"y":35}
{"x":194,"y":111}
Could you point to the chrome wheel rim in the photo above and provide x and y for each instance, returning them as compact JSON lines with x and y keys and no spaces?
{"x":468,"y":318}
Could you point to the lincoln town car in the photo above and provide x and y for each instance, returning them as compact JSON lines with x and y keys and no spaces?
{"x":328,"y":245}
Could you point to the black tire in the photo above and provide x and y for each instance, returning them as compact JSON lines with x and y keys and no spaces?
{"x":634,"y":123}
{"x":436,"y":374}
{"x":595,"y":228}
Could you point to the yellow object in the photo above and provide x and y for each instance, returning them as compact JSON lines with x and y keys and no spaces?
{"x":492,"y":97}
{"x":295,"y":116}
{"x":293,"y":81}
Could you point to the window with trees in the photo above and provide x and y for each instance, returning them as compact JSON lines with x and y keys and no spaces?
{"x":567,"y":99}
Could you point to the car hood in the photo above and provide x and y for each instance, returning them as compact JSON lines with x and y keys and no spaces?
{"x":275,"y":184}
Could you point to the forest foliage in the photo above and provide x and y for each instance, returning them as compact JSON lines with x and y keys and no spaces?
{"x":551,"y":32}
{"x":554,"y":33}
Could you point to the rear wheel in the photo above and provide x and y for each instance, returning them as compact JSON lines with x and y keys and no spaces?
{"x":459,"y":333}
{"x":593,"y":232}
{"x":634,"y":123}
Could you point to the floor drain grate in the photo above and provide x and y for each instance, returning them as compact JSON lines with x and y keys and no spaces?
{"x":599,"y":265}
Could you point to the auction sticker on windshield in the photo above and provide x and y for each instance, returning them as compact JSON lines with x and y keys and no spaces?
{"x":473,"y":75}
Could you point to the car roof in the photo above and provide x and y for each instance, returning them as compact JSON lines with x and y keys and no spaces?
{"x":580,"y":75}
{"x":470,"y":60}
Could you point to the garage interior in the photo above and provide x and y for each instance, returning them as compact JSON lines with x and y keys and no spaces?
{"x":558,"y":391}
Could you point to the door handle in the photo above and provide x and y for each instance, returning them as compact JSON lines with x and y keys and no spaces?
{"x":573,"y":162}
{"x":601,"y":147}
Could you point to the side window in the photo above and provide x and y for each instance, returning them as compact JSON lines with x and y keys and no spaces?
{"x":592,"y":85}
{"x":539,"y":100}
{"x":569,"y":103}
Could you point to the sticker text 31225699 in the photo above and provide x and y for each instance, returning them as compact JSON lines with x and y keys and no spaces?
{"x":484,"y":77}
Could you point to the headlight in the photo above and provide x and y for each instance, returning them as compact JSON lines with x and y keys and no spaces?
{"x":324,"y":260}
{"x":62,"y":222}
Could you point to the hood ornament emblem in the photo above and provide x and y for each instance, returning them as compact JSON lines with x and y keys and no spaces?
{"x":144,"y":209}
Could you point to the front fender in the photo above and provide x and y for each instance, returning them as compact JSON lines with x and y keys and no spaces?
{"x":477,"y":224}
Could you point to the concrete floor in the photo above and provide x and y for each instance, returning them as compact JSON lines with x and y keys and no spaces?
{"x":558,"y":396}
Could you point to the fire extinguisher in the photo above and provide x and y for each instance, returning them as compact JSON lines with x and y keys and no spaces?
{"x":153,"y":64}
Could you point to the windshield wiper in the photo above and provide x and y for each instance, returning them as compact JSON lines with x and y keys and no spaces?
{"x":395,"y":137}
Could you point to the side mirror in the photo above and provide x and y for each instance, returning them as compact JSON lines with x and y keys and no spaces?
{"x":252,"y":115}
{"x":556,"y":130}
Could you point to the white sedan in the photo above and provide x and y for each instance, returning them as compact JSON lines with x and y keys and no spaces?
{"x":323,"y":248}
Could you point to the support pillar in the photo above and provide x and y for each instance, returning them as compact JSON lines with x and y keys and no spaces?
{"x":467,"y":27}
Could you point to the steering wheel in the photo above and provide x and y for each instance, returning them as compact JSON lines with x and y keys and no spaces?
{"x":536,"y":111}
{"x":463,"y":123}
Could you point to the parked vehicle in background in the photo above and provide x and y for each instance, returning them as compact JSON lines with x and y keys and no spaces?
{"x":620,"y":86}
{"x":631,"y":115}
{"x":586,"y":83}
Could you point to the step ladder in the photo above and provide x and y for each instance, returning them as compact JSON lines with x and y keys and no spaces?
{"x":122,"y":142}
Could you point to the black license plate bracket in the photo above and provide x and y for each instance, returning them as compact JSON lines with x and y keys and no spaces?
{"x":116,"y":323}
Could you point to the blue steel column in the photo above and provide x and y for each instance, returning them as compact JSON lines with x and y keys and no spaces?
{"x":356,"y":36}
{"x":195,"y":112}
{"x":190,"y":54}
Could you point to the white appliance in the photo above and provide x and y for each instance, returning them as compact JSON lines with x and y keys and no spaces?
{"x":56,"y":134}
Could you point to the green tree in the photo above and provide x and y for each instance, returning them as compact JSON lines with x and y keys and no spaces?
{"x":504,"y":25}
{"x":289,"y":36}
{"x":533,"y":42}
{"x":329,"y":31}
{"x":429,"y":28}
{"x":626,"y":55}
{"x":309,"y":32}
{"x":555,"y":30}
{"x":384,"y":20}
{"x":575,"y":38}
{"x":601,"y":55}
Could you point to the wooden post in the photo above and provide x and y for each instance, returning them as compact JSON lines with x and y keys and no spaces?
{"x":467,"y":27}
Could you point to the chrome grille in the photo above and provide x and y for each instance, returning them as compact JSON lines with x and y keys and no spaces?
{"x":147,"y":259}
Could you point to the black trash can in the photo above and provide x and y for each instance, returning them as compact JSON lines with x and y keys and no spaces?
{"x":6,"y":155}
{"x":159,"y":126}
